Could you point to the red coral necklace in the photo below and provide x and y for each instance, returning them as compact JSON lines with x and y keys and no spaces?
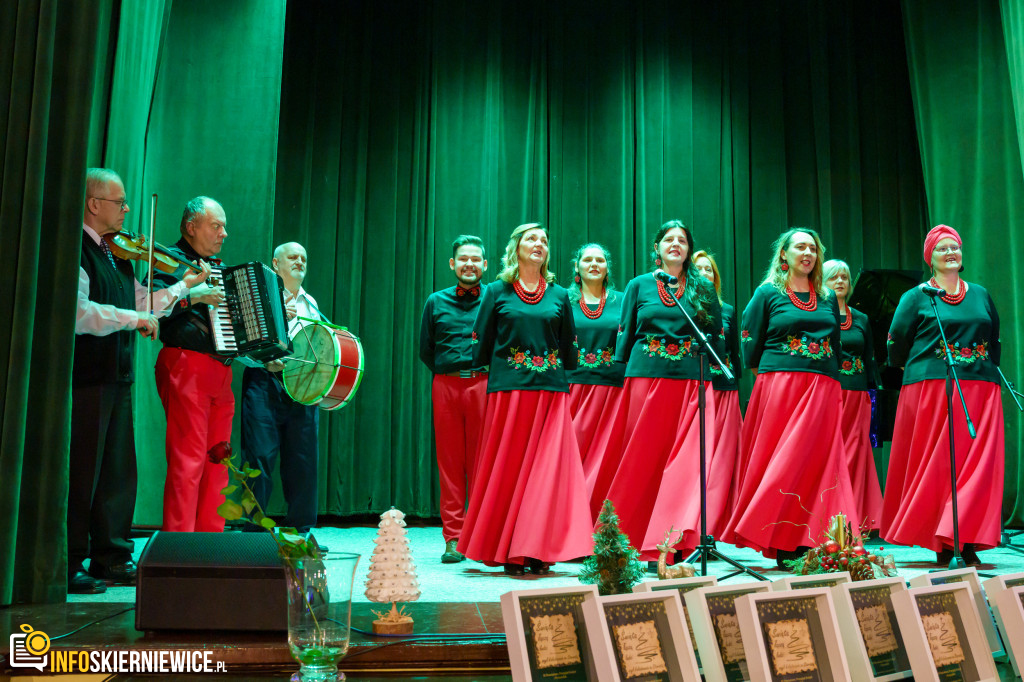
{"x":811,"y":304}
{"x":666,"y":297}
{"x":593,"y":315}
{"x":956,"y":297}
{"x":849,"y":319}
{"x":531,"y":297}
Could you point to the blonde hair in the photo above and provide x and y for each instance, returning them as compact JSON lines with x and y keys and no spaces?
{"x":714,"y":270}
{"x":779,"y":278}
{"x":830,"y":267}
{"x":510,"y":272}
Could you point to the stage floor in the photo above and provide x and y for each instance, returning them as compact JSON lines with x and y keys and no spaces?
{"x":456,"y":599}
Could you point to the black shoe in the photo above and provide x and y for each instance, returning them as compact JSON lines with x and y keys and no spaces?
{"x":118,"y":574}
{"x":970,"y":555}
{"x":944,"y":557}
{"x":538,"y":567}
{"x":83,"y":583}
{"x":514,"y":569}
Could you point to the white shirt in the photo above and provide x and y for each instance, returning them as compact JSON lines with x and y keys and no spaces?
{"x":100,"y":319}
{"x":305,"y":306}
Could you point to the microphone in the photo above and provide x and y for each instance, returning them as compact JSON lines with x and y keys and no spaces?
{"x":932,"y":291}
{"x":666,"y":278}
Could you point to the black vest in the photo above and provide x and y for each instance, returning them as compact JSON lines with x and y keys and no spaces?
{"x":105,"y":359}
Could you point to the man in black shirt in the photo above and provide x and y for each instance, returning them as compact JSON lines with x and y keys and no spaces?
{"x":194,"y":383}
{"x":112,"y":305}
{"x":459,"y":390}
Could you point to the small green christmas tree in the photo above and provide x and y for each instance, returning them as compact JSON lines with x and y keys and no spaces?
{"x":614,"y":567}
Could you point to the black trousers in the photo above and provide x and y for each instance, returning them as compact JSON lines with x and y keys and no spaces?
{"x":275,"y":427}
{"x":102,"y":476}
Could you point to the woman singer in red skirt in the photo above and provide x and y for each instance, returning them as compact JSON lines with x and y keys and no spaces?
{"x":528,"y":505}
{"x":793,"y":475}
{"x":656,"y":486}
{"x":595,"y":386}
{"x":917,"y":507}
{"x":857,"y":373}
{"x":728,"y":419}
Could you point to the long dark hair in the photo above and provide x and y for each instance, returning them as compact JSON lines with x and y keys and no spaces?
{"x":698,"y":291}
{"x":574,"y":288}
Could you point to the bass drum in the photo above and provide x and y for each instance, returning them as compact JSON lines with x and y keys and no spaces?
{"x":325,"y":367}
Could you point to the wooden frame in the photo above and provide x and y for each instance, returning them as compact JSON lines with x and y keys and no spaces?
{"x":943,"y":634}
{"x":547,"y":633}
{"x":642,"y":634}
{"x":713,"y":614}
{"x":792,"y":634}
{"x":875,"y":650}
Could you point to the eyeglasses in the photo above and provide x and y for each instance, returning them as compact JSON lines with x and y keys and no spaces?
{"x":122,"y":202}
{"x":942,"y":251}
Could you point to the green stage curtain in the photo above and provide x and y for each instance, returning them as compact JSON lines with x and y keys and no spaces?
{"x":52,"y":61}
{"x":965,"y":81}
{"x":406,"y":124}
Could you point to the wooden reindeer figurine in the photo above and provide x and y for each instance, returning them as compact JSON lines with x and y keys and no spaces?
{"x":680,"y":570}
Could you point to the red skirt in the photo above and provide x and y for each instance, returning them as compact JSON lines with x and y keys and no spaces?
{"x":722,"y":477}
{"x":794,"y":476}
{"x":918,"y":505}
{"x":529,"y":497}
{"x":599,"y":420}
{"x":855,"y":427}
{"x":657,"y":483}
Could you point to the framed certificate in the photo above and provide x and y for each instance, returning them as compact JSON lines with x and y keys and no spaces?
{"x":943,"y":634}
{"x":682,"y":586}
{"x":641,"y":636}
{"x":547,"y":634}
{"x":716,"y":629}
{"x":1009,"y":609}
{"x":792,"y":636}
{"x":970,"y":577}
{"x":800,"y":582}
{"x":871,"y":635}
{"x":993,"y":588}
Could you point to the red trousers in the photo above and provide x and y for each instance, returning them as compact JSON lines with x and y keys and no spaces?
{"x":196,"y":393}
{"x":459,"y":406}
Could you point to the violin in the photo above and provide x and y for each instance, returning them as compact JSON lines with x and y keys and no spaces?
{"x":128,"y":246}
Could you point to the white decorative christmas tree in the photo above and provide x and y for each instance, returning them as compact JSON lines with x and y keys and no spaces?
{"x":392,"y":576}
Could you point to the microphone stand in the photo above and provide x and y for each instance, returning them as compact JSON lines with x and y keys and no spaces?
{"x":1006,"y":537}
{"x":707,"y":546}
{"x":951,"y":379}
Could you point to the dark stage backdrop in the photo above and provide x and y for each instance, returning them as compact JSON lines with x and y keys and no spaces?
{"x":374,"y":132}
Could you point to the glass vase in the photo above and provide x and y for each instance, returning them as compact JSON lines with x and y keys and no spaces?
{"x":319,"y":612}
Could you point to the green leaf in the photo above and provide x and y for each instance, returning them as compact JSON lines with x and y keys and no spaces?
{"x":228,"y":489}
{"x":230,"y":510}
{"x":248,"y":502}
{"x":253,"y":473}
{"x":267,"y":523}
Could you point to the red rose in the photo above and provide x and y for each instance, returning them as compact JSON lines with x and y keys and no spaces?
{"x":519,"y":358}
{"x":847,"y":365}
{"x":745,"y":334}
{"x":537,"y":361}
{"x":474,"y":336}
{"x":672,"y":349}
{"x":965,"y":352}
{"x":813,"y":347}
{"x":591,"y":358}
{"x":220,"y":452}
{"x":794,"y":344}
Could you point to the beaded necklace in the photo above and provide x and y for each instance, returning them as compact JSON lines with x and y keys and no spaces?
{"x":666,"y":297}
{"x":531,"y":297}
{"x":810,"y":306}
{"x":956,"y":297}
{"x":849,"y":319}
{"x":593,"y":315}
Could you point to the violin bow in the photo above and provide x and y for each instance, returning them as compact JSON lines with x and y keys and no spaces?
{"x":152,"y":242}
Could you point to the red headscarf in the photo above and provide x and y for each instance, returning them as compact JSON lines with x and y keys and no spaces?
{"x":935,"y":235}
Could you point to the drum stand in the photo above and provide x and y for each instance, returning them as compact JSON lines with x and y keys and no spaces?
{"x":707,"y":548}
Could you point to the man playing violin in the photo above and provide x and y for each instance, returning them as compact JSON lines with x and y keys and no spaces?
{"x":274,"y":425}
{"x":194,"y":381}
{"x":459,"y":390}
{"x":102,"y":476}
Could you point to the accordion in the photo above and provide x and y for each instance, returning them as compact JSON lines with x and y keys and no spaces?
{"x":252,"y":320}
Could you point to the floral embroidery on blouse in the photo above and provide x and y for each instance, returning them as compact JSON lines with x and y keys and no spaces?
{"x":966,"y":355}
{"x":473,"y":339}
{"x":716,"y":369}
{"x":745,"y":336}
{"x":815,"y":350}
{"x":540,"y":362}
{"x":662,"y":348}
{"x":889,"y":340}
{"x":593,"y":360}
{"x":856,"y":366}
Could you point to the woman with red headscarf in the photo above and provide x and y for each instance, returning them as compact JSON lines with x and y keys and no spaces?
{"x":917,"y":507}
